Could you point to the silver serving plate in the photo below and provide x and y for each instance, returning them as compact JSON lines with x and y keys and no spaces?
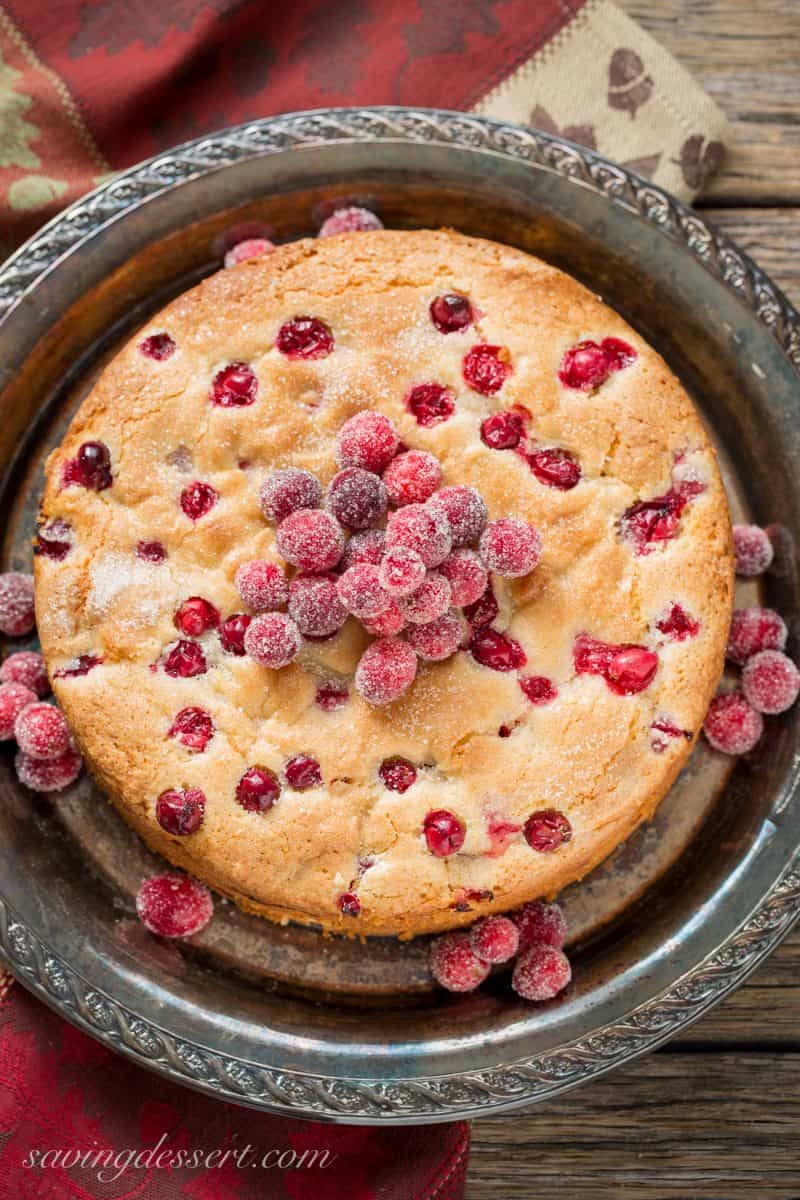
{"x":285,"y":1019}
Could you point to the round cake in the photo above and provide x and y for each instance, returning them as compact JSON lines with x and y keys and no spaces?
{"x":215,"y":531}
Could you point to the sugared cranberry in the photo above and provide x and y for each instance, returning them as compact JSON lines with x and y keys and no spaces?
{"x":423,"y":528}
{"x":494,"y":939}
{"x":54,"y":539}
{"x":402,"y":571}
{"x":51,"y":776}
{"x":387,"y":668}
{"x":255,"y":247}
{"x":510,"y":547}
{"x":14,"y":698}
{"x":197,"y":499}
{"x":42,"y":732}
{"x":486,"y":368}
{"x":627,"y":669}
{"x":502,"y":430}
{"x":483,"y":611}
{"x":158,"y":346}
{"x":770,"y":681}
{"x":495,"y":650}
{"x":185,"y":659}
{"x":303,"y":772}
{"x":648,"y":522}
{"x":152,"y":552}
{"x":262,"y":585}
{"x":541,"y":973}
{"x":366,"y":547}
{"x":174,"y":906}
{"x":388,"y":623}
{"x":234,"y":386}
{"x":81,"y":665}
{"x":331,"y":696}
{"x":732,"y":725}
{"x":310,"y":539}
{"x":430,"y":601}
{"x":273,"y":640}
{"x":663,"y":731}
{"x":357,"y":498}
{"x":193,"y":728}
{"x":466,"y":513}
{"x":349,"y":904}
{"x":455,"y":965}
{"x":430,"y":404}
{"x":286,"y":490}
{"x":315,"y":605}
{"x":350,"y":220}
{"x":26,"y":667}
{"x":232,"y":631}
{"x":413,"y":477}
{"x":587,"y":365}
{"x":444,"y":833}
{"x":540,"y":923}
{"x":437,"y":640}
{"x":754,"y":551}
{"x":196,"y":616}
{"x":398,"y":774}
{"x":466,"y":575}
{"x":676,"y":624}
{"x":539,"y":689}
{"x":181,"y":811}
{"x":368,"y":440}
{"x":90,"y":468}
{"x":546,"y":830}
{"x":362,"y":593}
{"x":755,"y":629}
{"x":258,"y":789}
{"x":305,"y":337}
{"x":17,"y":615}
{"x":451,"y":312}
{"x":555,"y":468}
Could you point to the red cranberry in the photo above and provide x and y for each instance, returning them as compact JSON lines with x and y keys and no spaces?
{"x":463,"y":898}
{"x":51,"y":776}
{"x":286,"y":490}
{"x":648,"y":522}
{"x":483,"y":611}
{"x":413,"y":477}
{"x":502,"y":430}
{"x":331,"y":696}
{"x":770,"y":682}
{"x":754,"y":551}
{"x":494,"y":939}
{"x":17,"y":616}
{"x":258,"y":789}
{"x":272,"y":640}
{"x":90,"y":468}
{"x":158,"y":346}
{"x":303,"y":772}
{"x":466,"y":575}
{"x":349,"y":904}
{"x":42,"y":732}
{"x":541,"y":972}
{"x":676,"y":624}
{"x":486,"y":368}
{"x":197,"y":499}
{"x":430,"y":404}
{"x":315,"y":605}
{"x":174,"y":906}
{"x":501,"y":833}
{"x":26,"y":667}
{"x":466,"y":513}
{"x":398,"y":774}
{"x":81,"y":665}
{"x":196,"y":616}
{"x":388,"y":623}
{"x":361,"y":592}
{"x":368,"y":440}
{"x":546,"y":830}
{"x":235,"y":386}
{"x":387,"y":669}
{"x":232,"y":631}
{"x":310,"y":539}
{"x":555,"y":468}
{"x":181,"y":812}
{"x":366,"y":547}
{"x":627,"y":669}
{"x":618,"y":353}
{"x":510,"y":547}
{"x":401,"y":571}
{"x":438,"y":639}
{"x":451,"y":312}
{"x":350,"y":220}
{"x":262,"y":585}
{"x":152,"y":552}
{"x":255,"y":247}
{"x":423,"y":528}
{"x":540,"y":923}
{"x":185,"y":659}
{"x":496,"y":650}
{"x":444,"y":833}
{"x":732,"y":725}
{"x":193,"y":728}
{"x":539,"y":689}
{"x":14,"y":698}
{"x":305,"y":337}
{"x":663,"y":731}
{"x":755,"y":629}
{"x":430,"y":601}
{"x":54,"y":540}
{"x":455,"y":965}
{"x":357,"y":498}
{"x":587,"y":365}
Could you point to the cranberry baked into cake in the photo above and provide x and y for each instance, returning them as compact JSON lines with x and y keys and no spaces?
{"x":385,"y":581}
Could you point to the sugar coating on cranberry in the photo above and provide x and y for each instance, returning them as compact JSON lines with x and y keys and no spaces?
{"x":365,"y":547}
{"x":248,"y":248}
{"x":430,"y":404}
{"x":362,"y":593}
{"x":546,"y":830}
{"x":158,"y":346}
{"x":17,"y":615}
{"x":331,"y":696}
{"x":234,"y":386}
{"x":754,"y":551}
{"x":430,"y":601}
{"x":502,"y":430}
{"x":423,"y":528}
{"x":587,"y":365}
{"x":466,"y":513}
{"x":541,"y":973}
{"x":302,"y":773}
{"x":232,"y":631}
{"x":755,"y":629}
{"x":193,"y":728}
{"x":540,"y":923}
{"x":467,"y":576}
{"x":494,"y":939}
{"x":185,"y":659}
{"x":52,"y":775}
{"x":538,"y":689}
{"x":676,"y":624}
{"x":451,"y":312}
{"x":388,"y":623}
{"x":555,"y":468}
{"x":368,"y":440}
{"x":151,"y":552}
{"x":732,"y":725}
{"x":273,"y":640}
{"x":770,"y":681}
{"x":438,"y":639}
{"x":401,"y":571}
{"x":310,"y":539}
{"x":79,"y":666}
{"x":14,"y":698}
{"x":286,"y":490}
{"x":626,"y":669}
{"x":174,"y":906}
{"x":413,"y":477}
{"x":386,"y":670}
{"x":305,"y":338}
{"x":444,"y":833}
{"x":196,"y":616}
{"x":357,"y":498}
{"x":352,"y":219}
{"x":42,"y":732}
{"x":486,"y":368}
{"x":28,"y":668}
{"x":510,"y":547}
{"x":454,"y":964}
{"x":262,"y":585}
{"x":258,"y":789}
{"x":90,"y":468}
{"x":315,"y":605}
{"x":397,"y":774}
{"x":198,"y":499}
{"x":498,"y":651}
{"x":181,"y":811}
{"x":54,"y":539}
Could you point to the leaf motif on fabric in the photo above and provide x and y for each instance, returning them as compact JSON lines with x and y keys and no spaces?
{"x":629,"y":86}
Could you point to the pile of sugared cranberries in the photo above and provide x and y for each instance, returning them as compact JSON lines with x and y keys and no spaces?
{"x":533,"y":935}
{"x":770,"y":680}
{"x":388,"y":546}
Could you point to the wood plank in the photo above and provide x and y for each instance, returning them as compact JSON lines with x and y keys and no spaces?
{"x":705,"y":1126}
{"x":746,"y":56}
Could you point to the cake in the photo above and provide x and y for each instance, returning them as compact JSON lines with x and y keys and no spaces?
{"x":506,"y":766}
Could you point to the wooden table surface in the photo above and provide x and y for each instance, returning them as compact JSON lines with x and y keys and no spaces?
{"x":716,"y":1114}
